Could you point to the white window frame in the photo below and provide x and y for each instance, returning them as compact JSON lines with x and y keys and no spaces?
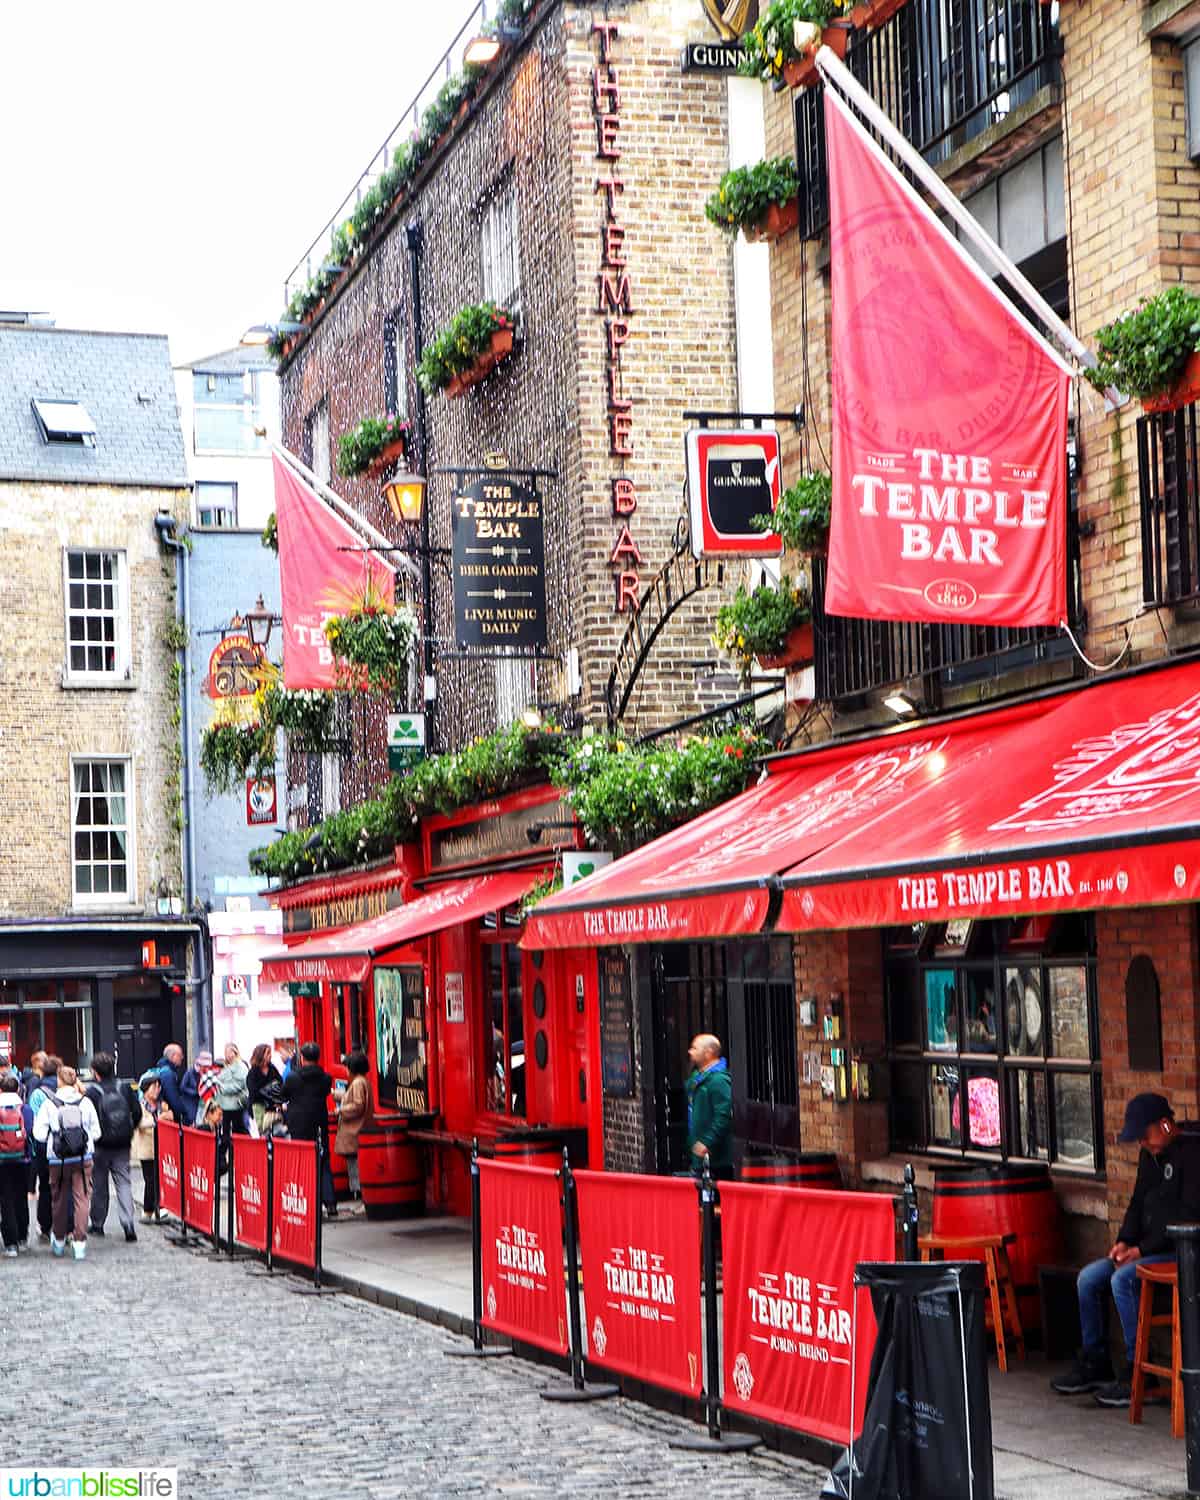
{"x":516,"y":688}
{"x":122,"y":671}
{"x":322,"y":459}
{"x":500,"y":248}
{"x":225,"y":484}
{"x":250,"y":410}
{"x":91,"y":901}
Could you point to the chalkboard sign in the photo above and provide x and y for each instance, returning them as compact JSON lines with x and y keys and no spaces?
{"x":616,"y":1024}
{"x":400,"y":1037}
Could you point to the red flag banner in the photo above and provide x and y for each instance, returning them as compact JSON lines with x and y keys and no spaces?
{"x":639,"y":1242}
{"x":949,"y":416}
{"x":789,"y":1258}
{"x":250,"y":1192}
{"x":295,"y":1206}
{"x":521,"y":1228}
{"x":170,"y":1184}
{"x":317,"y":581}
{"x":200,"y":1178}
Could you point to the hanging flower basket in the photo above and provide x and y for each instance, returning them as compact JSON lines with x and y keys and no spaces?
{"x":371,"y":446}
{"x":371,"y":647}
{"x":802,"y":73}
{"x":780,"y":219}
{"x":797,"y":650}
{"x":387,"y":456}
{"x":1184,"y":392}
{"x":501,"y":347}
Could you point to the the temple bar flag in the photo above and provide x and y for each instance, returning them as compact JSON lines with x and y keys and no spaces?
{"x":949,"y":416}
{"x":317,"y":580}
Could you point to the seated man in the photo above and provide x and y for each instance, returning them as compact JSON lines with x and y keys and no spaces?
{"x":1167,"y":1191}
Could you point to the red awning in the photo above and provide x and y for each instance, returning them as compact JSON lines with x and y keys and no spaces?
{"x":346,"y":956}
{"x":713,"y":877}
{"x":1095,"y":803}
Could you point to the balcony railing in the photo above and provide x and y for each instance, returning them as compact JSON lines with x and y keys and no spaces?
{"x":943,"y":71}
{"x":1169,"y":490}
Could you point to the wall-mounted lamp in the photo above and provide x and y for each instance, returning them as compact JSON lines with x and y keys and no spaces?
{"x":258,"y":622}
{"x":405,"y":495}
{"x":258,"y":333}
{"x":902,"y":705}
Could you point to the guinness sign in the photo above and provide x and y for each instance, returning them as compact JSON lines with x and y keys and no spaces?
{"x":733,"y":476}
{"x":731,"y":20}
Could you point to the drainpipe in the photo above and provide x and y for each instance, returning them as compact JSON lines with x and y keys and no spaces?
{"x":415,"y":235}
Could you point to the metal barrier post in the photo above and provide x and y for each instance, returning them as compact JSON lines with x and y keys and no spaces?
{"x":478,"y":1349}
{"x":1187,"y":1242}
{"x":183,"y":1227}
{"x":911,"y":1214}
{"x":320,"y":1205}
{"x":578,"y":1390}
{"x":270,"y":1200}
{"x":229,"y":1208}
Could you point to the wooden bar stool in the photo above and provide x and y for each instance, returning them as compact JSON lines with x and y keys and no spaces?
{"x":1002,"y":1294}
{"x":1164,"y":1273}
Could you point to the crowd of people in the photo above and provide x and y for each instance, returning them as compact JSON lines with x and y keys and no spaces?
{"x":68,"y":1136}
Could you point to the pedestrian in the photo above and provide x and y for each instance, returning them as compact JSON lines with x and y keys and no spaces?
{"x":170,"y":1073}
{"x":262,"y":1072}
{"x":1167,"y":1191}
{"x":191,"y":1095}
{"x":67,"y":1122}
{"x":153,"y":1109}
{"x":46,"y":1085}
{"x":233,"y":1094}
{"x":710,"y":1108}
{"x":356,"y":1114}
{"x":118,"y":1110}
{"x":306,"y":1090}
{"x":16,"y":1149}
{"x":31,"y":1076}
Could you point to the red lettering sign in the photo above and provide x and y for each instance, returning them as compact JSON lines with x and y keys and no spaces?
{"x":789,"y":1326}
{"x":949,"y":417}
{"x":199,"y":1178}
{"x":295,"y":1206}
{"x":170,"y":1191}
{"x":639,"y":1242}
{"x":250,"y":1192}
{"x":522,"y":1232}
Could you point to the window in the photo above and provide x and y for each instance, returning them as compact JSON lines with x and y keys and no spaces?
{"x":349,"y":1034}
{"x":316,"y":441}
{"x":515,"y":690}
{"x":49,"y":1015}
{"x":101,"y":829}
{"x":395,"y":363}
{"x":1009,"y":1026}
{"x":504,"y":1047}
{"x":97,"y":615}
{"x":65,"y":422}
{"x":228,"y":411}
{"x":499,"y":248}
{"x":216,"y":504}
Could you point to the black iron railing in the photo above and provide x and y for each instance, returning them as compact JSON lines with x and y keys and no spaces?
{"x":943,"y":71}
{"x":1169,"y":490}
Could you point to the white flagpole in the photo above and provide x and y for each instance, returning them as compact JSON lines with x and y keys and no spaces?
{"x":836,"y":73}
{"x":347,"y":512}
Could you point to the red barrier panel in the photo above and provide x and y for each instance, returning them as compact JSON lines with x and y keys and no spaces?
{"x":170,"y":1189}
{"x":200,"y":1178}
{"x":639,"y":1240}
{"x":521,"y":1228}
{"x":296,"y":1201}
{"x":250,"y":1192}
{"x":789,"y":1262}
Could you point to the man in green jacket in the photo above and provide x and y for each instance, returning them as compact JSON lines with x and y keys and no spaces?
{"x":710,"y":1108}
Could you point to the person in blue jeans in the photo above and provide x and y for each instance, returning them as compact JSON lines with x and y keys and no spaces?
{"x":1167,"y":1191}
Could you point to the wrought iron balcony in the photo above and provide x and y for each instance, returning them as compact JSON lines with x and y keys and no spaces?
{"x":943,"y":71}
{"x":1169,"y":491}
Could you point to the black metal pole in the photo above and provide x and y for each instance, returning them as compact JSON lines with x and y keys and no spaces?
{"x":229,"y":1195}
{"x":270,"y":1199}
{"x":911,"y":1214}
{"x":216,"y":1197}
{"x":571,"y":1237}
{"x":708,"y":1249}
{"x":476,"y":1252}
{"x":320,"y":1202}
{"x":1187,"y":1245}
{"x":415,"y":237}
{"x":183,"y":1239}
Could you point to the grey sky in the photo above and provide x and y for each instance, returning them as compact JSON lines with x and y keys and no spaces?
{"x":164,"y":166}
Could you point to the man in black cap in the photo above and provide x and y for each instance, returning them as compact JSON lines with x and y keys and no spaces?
{"x":1167,"y":1191}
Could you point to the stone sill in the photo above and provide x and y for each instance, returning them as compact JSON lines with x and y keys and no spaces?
{"x":1172,"y":18}
{"x":1087,"y":1197}
{"x":99,"y":684}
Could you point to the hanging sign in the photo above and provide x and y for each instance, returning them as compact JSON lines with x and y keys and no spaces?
{"x":235,"y":667}
{"x":405,"y":740}
{"x":949,"y":417}
{"x":578,"y":864}
{"x":732,"y":476}
{"x":499,"y":558}
{"x":522,"y":1253}
{"x":260,"y":801}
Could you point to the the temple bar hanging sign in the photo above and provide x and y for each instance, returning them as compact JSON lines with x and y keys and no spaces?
{"x":499,"y":558}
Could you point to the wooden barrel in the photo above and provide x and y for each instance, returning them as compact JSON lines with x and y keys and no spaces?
{"x":337,"y":1164}
{"x":1005,"y":1199}
{"x":391,"y":1172}
{"x":808,"y":1169}
{"x":542,"y":1146}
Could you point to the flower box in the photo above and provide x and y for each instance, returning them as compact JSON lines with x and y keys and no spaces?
{"x":1184,"y":392}
{"x":781,"y":219}
{"x":485,"y":363}
{"x":388,"y":455}
{"x":802,"y":72}
{"x":797,"y":649}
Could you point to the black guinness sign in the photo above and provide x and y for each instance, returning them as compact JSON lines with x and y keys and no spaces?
{"x":712,"y":57}
{"x":499,"y":566}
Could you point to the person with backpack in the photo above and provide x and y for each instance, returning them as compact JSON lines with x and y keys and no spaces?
{"x":118,"y":1109}
{"x":44,"y":1086}
{"x":16,"y":1136}
{"x":67,"y":1123}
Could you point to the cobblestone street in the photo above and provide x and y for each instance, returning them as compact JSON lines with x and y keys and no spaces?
{"x":156,"y":1356}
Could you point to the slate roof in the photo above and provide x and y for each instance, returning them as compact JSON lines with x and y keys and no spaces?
{"x":124,"y":380}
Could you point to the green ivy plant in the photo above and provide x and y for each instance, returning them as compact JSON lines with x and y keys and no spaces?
{"x":371,"y":647}
{"x":770,"y":42}
{"x":231,"y":752}
{"x":361,"y":446}
{"x":454,"y":349}
{"x":746,"y":193}
{"x":758,"y":622}
{"x":1143,"y":353}
{"x":802,"y":516}
{"x":270,"y":535}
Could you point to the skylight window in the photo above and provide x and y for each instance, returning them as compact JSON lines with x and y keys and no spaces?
{"x":65,"y":422}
